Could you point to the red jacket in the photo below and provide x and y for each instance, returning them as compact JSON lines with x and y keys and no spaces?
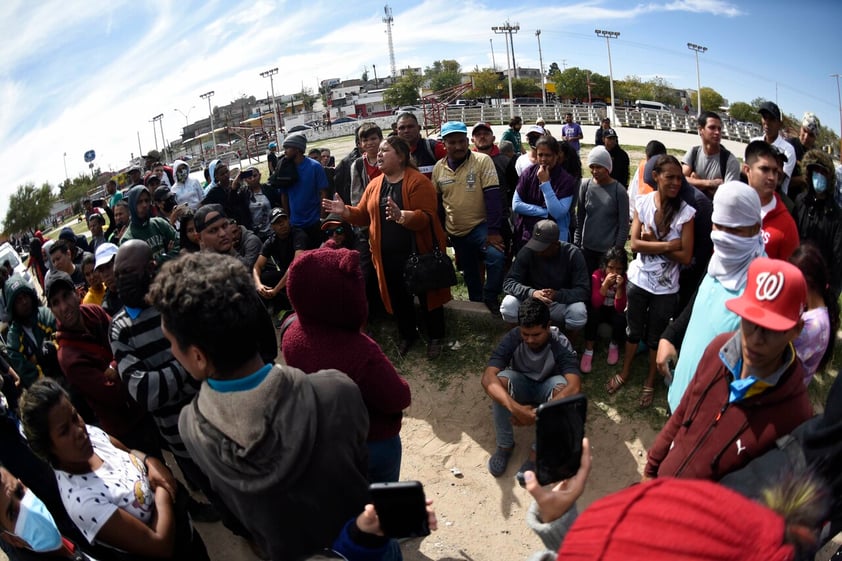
{"x":84,"y":357}
{"x":779,"y":232}
{"x":707,"y":438}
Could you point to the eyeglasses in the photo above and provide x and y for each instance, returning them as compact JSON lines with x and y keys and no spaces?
{"x":333,"y":231}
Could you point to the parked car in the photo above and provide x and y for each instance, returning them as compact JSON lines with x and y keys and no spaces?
{"x":8,"y":253}
{"x":341,"y":120}
{"x":407,"y":109}
{"x":299,"y":128}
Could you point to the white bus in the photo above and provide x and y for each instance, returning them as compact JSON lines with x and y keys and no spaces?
{"x":650,"y":105}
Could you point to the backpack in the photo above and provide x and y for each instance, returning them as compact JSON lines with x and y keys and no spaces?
{"x":285,"y":175}
{"x":723,"y":159}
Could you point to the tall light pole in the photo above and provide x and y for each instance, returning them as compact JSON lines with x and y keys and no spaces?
{"x":839,"y":97}
{"x":698,"y":49}
{"x":608,"y":36}
{"x":66,"y":177}
{"x":270,"y":74}
{"x":503,"y":29}
{"x":493,"y":60}
{"x":185,"y":115}
{"x":154,"y":131}
{"x":160,"y":119}
{"x":208,"y":95}
{"x":541,"y":62}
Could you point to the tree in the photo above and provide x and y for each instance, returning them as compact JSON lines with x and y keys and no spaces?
{"x":404,"y":91}
{"x":443,"y":74}
{"x":573,"y":83}
{"x":711,"y":99}
{"x":485,"y":83}
{"x":29,"y":207}
{"x":742,"y":111}
{"x":364,"y":77}
{"x":632,"y":87}
{"x":525,"y":87}
{"x":553,"y":69}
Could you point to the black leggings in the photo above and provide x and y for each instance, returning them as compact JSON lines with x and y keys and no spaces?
{"x":403,"y":305}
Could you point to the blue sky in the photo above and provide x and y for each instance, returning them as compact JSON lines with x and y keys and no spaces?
{"x":90,"y":75}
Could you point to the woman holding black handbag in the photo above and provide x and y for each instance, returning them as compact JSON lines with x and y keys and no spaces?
{"x":399,"y":207}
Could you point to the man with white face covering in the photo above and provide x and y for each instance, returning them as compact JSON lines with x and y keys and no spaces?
{"x":736,"y":243}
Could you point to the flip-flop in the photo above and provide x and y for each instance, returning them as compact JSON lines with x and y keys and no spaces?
{"x":614,"y":384}
{"x":647,"y":396}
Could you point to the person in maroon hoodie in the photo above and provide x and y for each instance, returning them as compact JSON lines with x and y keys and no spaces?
{"x":748,"y":390}
{"x":327,"y":335}
{"x":85,"y":357}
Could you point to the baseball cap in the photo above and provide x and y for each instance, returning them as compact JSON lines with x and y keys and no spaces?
{"x":544,"y":234}
{"x":204,"y":216}
{"x":331,"y":220}
{"x":775,"y":296}
{"x":162,"y":194}
{"x":97,"y":213}
{"x":609,"y":133}
{"x":451,"y":127}
{"x":58,"y":280}
{"x":67,"y":234}
{"x":277,"y":214}
{"x":105,"y":252}
{"x":481,"y":125}
{"x":535,"y":129}
{"x":135,"y":169}
{"x":771,"y":108}
{"x":810,"y":123}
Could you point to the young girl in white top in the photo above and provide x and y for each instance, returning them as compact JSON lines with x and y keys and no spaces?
{"x":662,"y":238}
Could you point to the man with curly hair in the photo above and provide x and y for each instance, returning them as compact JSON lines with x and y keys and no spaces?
{"x":284,"y":450}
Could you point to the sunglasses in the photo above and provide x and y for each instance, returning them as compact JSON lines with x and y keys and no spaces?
{"x":333,"y":231}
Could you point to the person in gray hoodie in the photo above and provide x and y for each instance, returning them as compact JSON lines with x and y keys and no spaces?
{"x":155,"y":231}
{"x":285,"y":450}
{"x":187,"y":190}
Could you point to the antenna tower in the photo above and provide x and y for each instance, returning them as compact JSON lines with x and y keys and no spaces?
{"x":388,"y":20}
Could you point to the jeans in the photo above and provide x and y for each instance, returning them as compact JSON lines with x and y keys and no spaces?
{"x":524,"y":390}
{"x":472,"y":250}
{"x":571,"y":316}
{"x":384,"y":460}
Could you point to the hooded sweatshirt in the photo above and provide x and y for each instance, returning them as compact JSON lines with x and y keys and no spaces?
{"x":157,"y":232}
{"x":327,"y":334}
{"x":189,"y":192}
{"x":287,"y":456}
{"x":819,"y":218}
{"x":27,"y":335}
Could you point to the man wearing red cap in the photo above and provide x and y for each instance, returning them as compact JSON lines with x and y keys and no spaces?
{"x":748,"y":389}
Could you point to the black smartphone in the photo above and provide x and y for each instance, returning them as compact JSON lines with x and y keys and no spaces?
{"x":559,"y":428}
{"x":401,"y":508}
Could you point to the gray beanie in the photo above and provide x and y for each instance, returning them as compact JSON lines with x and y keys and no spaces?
{"x":296,"y":140}
{"x":600,"y":156}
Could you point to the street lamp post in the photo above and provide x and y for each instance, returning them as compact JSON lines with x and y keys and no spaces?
{"x":541,"y":63}
{"x":185,"y":115}
{"x":698,"y":49}
{"x":154,"y":132}
{"x":503,"y":29}
{"x":208,"y":95}
{"x":160,"y":119}
{"x":269,"y":74}
{"x":839,"y":98}
{"x":66,"y":177}
{"x":608,"y":36}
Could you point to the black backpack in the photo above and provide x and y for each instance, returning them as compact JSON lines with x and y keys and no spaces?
{"x":285,"y":175}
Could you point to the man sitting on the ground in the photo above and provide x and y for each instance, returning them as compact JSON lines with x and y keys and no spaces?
{"x":533,"y":363}
{"x":284,"y":450}
{"x":748,"y":390}
{"x":552,"y":271}
{"x":270,"y":269}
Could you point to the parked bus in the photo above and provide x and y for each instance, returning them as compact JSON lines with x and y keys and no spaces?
{"x":650,"y":105}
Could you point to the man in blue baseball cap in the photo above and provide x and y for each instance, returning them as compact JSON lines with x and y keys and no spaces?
{"x":469,"y":191}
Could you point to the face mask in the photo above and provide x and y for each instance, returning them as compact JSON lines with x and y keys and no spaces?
{"x":36,"y":526}
{"x":732,"y":255}
{"x":181,"y":175}
{"x":819,"y":182}
{"x":133,"y":288}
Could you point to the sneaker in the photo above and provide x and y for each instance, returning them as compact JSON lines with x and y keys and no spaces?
{"x":613,"y":354}
{"x":528,"y":465}
{"x":587,"y":362}
{"x":498,"y":462}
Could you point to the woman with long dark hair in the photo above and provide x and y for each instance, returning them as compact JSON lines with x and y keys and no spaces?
{"x":662,"y":237}
{"x":36,"y":261}
{"x":400,"y":206}
{"x":188,"y":237}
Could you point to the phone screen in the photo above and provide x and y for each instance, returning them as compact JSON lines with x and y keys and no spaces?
{"x":560,"y":428}
{"x":401,"y":508}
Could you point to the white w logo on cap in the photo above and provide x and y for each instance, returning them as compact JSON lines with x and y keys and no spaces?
{"x":769,"y":286}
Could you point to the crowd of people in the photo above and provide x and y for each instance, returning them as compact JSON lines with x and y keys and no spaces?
{"x":161,"y":332}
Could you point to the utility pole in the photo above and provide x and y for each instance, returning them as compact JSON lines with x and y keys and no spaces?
{"x":139,"y":149}
{"x":374,"y":69}
{"x":389,"y":20}
{"x":541,"y":62}
{"x":275,"y":118}
{"x":700,"y":49}
{"x":503,"y":29}
{"x":66,"y":177}
{"x":839,"y":98}
{"x":154,"y":132}
{"x":608,"y":36}
{"x":493,"y":60}
{"x":160,"y":120}
{"x":208,"y":96}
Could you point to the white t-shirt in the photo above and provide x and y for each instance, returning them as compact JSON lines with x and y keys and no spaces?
{"x":120,"y":482}
{"x":658,"y":274}
{"x":522,"y":163}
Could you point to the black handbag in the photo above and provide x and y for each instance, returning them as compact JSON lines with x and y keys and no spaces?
{"x":429,"y":271}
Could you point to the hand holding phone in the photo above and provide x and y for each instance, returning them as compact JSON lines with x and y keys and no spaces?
{"x":560,"y":428}
{"x":401,"y":508}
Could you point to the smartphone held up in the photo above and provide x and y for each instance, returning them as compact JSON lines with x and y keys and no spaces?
{"x":559,"y":429}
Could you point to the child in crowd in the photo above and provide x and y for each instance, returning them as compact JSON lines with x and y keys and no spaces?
{"x":662,"y":237}
{"x":608,"y":305}
{"x":814,"y":345}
